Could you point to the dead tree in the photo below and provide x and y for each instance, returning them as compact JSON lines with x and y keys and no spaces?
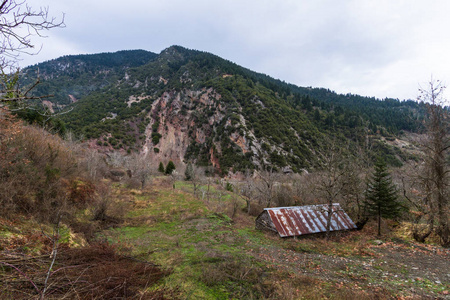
{"x":436,"y":148}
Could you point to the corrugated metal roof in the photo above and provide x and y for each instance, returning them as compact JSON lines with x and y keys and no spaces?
{"x":299,"y":220}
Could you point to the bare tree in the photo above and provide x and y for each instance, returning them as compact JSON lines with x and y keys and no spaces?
{"x":208,"y":179}
{"x":174,"y":176}
{"x":246,"y":189}
{"x":116,"y":159}
{"x":436,"y":148}
{"x":265,"y":186}
{"x":93,"y":162}
{"x":355,"y":185}
{"x":332,"y":177}
{"x":18,"y":24}
{"x":416,"y":191}
{"x":140,"y":168}
{"x":196,"y":176}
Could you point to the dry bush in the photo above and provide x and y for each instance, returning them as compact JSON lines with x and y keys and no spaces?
{"x":33,"y":165}
{"x":133,"y":183}
{"x":164,"y":182}
{"x":81,"y":192}
{"x":233,"y":207}
{"x":105,"y":209}
{"x":102,"y":203}
{"x":284,"y":196}
{"x":256,"y":209}
{"x":46,"y":177}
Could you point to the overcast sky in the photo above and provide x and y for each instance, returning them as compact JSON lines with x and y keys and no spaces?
{"x":380,"y":48}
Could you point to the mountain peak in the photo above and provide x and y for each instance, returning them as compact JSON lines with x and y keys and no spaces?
{"x":176,"y":53}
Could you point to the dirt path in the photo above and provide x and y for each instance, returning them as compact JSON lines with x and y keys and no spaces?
{"x":402,"y":269}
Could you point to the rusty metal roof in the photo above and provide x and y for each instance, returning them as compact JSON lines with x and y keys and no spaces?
{"x":299,"y":220}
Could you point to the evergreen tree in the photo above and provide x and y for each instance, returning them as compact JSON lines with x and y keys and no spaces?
{"x":188,"y":174}
{"x":170,"y":167}
{"x":381,"y":195}
{"x":161,"y":168}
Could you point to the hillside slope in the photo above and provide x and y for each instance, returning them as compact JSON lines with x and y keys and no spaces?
{"x":187,"y":105}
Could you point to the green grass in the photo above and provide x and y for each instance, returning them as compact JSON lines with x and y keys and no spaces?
{"x":210,"y":256}
{"x":188,"y":238}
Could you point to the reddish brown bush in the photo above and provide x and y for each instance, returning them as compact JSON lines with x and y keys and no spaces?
{"x":99,"y":272}
{"x":81,"y":192}
{"x":93,"y":272}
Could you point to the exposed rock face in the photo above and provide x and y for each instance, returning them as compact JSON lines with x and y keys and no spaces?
{"x":240,"y":141}
{"x":72,"y":99}
{"x":49,"y":105}
{"x":186,"y":117}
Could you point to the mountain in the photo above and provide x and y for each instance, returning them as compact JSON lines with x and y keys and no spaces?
{"x":187,"y":105}
{"x":70,"y":78}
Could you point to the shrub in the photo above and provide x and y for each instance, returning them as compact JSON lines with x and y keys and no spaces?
{"x":81,"y":192}
{"x":34,"y":165}
{"x":155,"y":138}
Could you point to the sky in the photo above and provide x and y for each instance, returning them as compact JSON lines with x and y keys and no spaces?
{"x":380,"y":48}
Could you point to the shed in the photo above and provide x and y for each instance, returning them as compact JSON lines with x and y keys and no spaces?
{"x":301,"y":220}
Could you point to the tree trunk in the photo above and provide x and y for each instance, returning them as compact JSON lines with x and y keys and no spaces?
{"x":421,"y":237}
{"x":443,"y":229}
{"x":330,"y":213}
{"x":361,"y":222}
{"x":379,"y":221}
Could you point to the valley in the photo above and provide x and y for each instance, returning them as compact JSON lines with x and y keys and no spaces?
{"x":206,"y":250}
{"x":143,"y":176}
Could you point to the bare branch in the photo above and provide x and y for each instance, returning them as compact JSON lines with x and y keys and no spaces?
{"x":16,"y":15}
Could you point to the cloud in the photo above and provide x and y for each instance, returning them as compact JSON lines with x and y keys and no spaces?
{"x":373,"y":48}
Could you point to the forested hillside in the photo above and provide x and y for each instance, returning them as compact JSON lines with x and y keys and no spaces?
{"x":189,"y":105}
{"x":70,"y":78}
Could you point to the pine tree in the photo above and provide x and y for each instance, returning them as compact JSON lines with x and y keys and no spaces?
{"x":170,"y":167}
{"x":381,"y":195}
{"x":161,"y":168}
